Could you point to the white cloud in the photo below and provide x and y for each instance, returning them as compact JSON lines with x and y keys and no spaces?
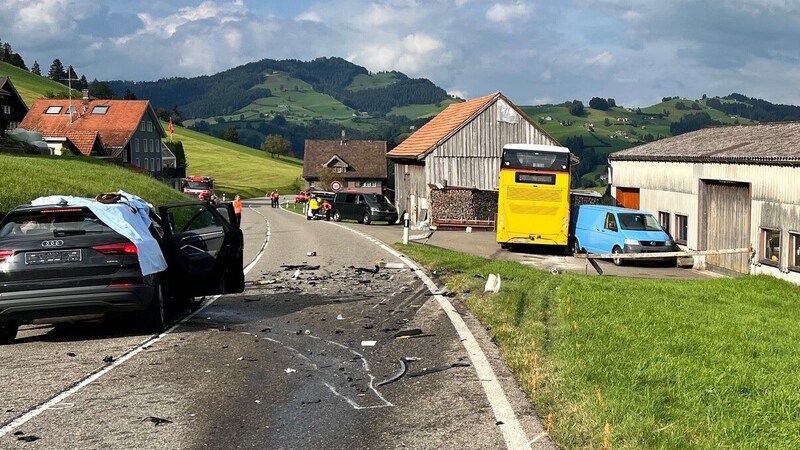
{"x":309,"y":16}
{"x":603,"y":59}
{"x":458,"y":93}
{"x":508,"y":12}
{"x":407,"y":54}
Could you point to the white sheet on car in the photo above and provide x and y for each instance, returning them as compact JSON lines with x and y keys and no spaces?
{"x":120,"y":218}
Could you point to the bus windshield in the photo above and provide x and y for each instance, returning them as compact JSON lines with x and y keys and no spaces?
{"x":534,"y":159}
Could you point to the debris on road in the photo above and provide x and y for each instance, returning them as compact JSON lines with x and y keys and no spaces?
{"x":156,"y":420}
{"x":27,"y":438}
{"x":108,"y":359}
{"x":404,"y":362}
{"x":408,"y":332}
{"x":71,"y":354}
{"x":368,"y":343}
{"x":289,"y":370}
{"x":311,"y":254}
{"x":300,"y":266}
{"x":430,"y":370}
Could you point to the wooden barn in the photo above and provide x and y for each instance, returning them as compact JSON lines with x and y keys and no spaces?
{"x":462,"y":147}
{"x":722,"y":188}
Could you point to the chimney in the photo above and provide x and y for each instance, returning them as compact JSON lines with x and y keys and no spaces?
{"x":85,"y":99}
{"x":344,"y":138}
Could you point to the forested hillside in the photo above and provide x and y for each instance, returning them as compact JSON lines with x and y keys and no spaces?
{"x":229,"y":91}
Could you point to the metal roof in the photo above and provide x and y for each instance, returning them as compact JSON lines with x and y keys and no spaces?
{"x":768,"y":143}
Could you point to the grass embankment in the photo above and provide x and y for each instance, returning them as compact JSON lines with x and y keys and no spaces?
{"x":236,"y":168}
{"x":31,"y":86}
{"x":650,"y":364}
{"x":29,"y":177}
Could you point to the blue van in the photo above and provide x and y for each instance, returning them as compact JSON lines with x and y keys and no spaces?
{"x":611,"y":229}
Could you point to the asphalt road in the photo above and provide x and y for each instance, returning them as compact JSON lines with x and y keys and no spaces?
{"x":294,"y":362}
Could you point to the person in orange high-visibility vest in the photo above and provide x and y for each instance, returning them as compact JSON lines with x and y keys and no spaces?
{"x":237,"y":208}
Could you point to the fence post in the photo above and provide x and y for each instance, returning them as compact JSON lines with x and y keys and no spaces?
{"x":405,"y":228}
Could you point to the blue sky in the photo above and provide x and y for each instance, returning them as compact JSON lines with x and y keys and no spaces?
{"x":635,"y":51}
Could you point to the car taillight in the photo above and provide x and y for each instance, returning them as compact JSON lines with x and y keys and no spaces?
{"x":126,"y":248}
{"x":6,"y":254}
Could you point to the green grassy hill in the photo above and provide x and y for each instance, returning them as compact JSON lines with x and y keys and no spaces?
{"x":617,"y":128}
{"x":236,"y":168}
{"x":30,"y":86}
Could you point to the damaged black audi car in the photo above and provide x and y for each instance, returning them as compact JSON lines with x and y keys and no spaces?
{"x":65,"y":258}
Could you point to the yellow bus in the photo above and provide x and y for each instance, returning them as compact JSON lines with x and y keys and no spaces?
{"x":533,"y":203}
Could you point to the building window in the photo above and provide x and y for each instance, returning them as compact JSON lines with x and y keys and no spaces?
{"x":7,"y":109}
{"x":152,"y":146}
{"x":681,"y":229}
{"x":149,"y":126}
{"x":794,"y":251}
{"x":136,"y":146}
{"x":102,"y":110}
{"x":367,"y":184}
{"x":53,"y":110}
{"x":663,"y":220}
{"x":770,"y":246}
{"x":138,"y":163}
{"x":146,"y":164}
{"x":141,"y":126}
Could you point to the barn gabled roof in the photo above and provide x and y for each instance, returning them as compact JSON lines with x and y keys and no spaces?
{"x":442,"y":126}
{"x":768,"y":143}
{"x":446,"y":124}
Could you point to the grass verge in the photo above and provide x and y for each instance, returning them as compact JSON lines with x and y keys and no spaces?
{"x":29,"y":177}
{"x":645,"y":364}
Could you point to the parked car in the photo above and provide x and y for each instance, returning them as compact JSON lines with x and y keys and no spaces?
{"x":609,"y":229}
{"x":76,"y":259}
{"x":301,"y":197}
{"x":365,"y":208}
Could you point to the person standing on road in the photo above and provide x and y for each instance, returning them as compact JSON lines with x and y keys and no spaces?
{"x":313,"y":207}
{"x":276,"y":199}
{"x":237,"y":208}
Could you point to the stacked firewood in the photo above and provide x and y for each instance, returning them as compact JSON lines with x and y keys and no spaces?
{"x":462,"y":204}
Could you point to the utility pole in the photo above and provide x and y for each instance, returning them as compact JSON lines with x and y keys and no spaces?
{"x":69,"y":86}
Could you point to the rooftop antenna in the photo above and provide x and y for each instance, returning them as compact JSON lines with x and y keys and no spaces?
{"x":69,"y":86}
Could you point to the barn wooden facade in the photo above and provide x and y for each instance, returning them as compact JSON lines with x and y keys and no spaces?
{"x":461,"y":146}
{"x":720,"y":188}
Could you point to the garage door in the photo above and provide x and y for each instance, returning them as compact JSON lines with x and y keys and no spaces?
{"x":725,"y":223}
{"x":628,"y":197}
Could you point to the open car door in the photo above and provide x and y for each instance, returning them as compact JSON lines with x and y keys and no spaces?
{"x":203,"y":249}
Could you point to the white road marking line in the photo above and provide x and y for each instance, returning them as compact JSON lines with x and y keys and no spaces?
{"x":94,"y":376}
{"x":511,"y":429}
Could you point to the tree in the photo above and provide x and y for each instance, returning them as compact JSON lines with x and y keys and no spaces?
{"x":57,"y":72}
{"x":576,"y":108}
{"x":176,"y":147}
{"x":128,"y":95}
{"x":35,"y":69}
{"x":328,"y":176}
{"x":611,"y":103}
{"x":607,"y":122}
{"x":276,"y":145}
{"x":598,"y":103}
{"x":84,"y":83}
{"x":230,"y":134}
{"x":100,"y":89}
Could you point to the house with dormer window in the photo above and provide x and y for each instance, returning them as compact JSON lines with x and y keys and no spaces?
{"x":359,"y":166}
{"x":127,"y":131}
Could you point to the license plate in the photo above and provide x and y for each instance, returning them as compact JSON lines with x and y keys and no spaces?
{"x":53,"y":257}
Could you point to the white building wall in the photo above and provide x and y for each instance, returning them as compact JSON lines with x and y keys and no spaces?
{"x":674,"y":187}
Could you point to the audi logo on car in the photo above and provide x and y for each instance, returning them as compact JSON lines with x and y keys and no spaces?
{"x":52,"y":243}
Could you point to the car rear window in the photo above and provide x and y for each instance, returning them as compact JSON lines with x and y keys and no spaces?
{"x":53,"y":223}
